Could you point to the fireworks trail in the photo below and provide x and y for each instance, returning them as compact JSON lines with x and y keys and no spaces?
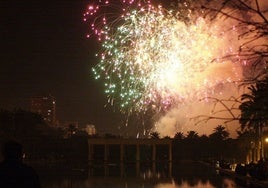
{"x":152,"y":59}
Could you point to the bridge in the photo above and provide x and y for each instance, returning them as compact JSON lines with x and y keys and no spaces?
{"x":151,"y":146}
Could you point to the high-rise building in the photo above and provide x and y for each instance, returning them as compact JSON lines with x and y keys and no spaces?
{"x":45,"y":106}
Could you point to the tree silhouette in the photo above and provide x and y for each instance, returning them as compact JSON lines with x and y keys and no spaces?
{"x":254,"y":107}
{"x":5,"y":121}
{"x":21,"y":124}
{"x":251,"y":20}
{"x":219,"y":133}
{"x":192,"y":135}
{"x":155,"y":135}
{"x":254,"y":110}
{"x":179,"y":136}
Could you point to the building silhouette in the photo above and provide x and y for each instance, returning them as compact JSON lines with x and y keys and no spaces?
{"x":45,"y":106}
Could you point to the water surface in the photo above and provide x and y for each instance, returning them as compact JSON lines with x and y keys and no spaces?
{"x":182,"y":175}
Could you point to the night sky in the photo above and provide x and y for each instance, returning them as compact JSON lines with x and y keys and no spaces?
{"x":44,"y":50}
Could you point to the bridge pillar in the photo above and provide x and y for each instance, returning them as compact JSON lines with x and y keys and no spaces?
{"x":137,"y":159}
{"x":106,"y":152}
{"x":170,"y":152}
{"x":170,"y":159}
{"x":154,"y":153}
{"x":90,"y":153}
{"x":154,"y":159}
{"x":121,"y":153}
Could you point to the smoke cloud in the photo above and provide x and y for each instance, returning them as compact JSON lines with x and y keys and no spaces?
{"x":183,"y":118}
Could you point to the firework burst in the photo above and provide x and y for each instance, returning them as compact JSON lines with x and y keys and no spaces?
{"x":151,"y":59}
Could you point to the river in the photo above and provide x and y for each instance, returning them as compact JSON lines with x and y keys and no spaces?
{"x":180,"y":175}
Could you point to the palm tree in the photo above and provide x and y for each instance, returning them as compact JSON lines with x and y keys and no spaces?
{"x":192,"y":135}
{"x":254,"y":110}
{"x":179,"y":136}
{"x":155,"y":135}
{"x":219,"y":133}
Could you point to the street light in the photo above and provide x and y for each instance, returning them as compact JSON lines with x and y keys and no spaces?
{"x":265,"y":151}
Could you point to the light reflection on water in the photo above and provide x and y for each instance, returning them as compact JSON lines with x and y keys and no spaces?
{"x":227,"y":183}
{"x":128,"y":183}
{"x":184,"y":184}
{"x":184,"y":175}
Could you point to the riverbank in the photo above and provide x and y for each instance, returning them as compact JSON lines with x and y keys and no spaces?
{"x":247,"y":180}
